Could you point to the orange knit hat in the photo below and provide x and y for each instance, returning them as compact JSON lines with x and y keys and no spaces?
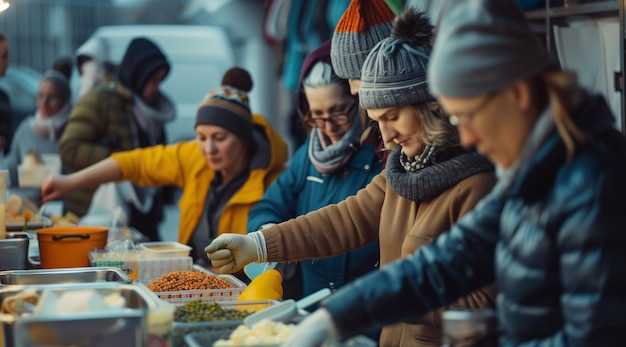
{"x":360,"y":28}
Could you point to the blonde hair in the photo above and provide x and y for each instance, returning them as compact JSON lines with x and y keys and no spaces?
{"x":561,"y":88}
{"x":437,"y":130}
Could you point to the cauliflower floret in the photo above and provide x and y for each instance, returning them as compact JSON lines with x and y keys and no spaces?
{"x":266,"y":332}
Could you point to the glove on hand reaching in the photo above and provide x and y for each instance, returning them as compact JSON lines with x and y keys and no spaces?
{"x":313,"y":331}
{"x":231,"y":252}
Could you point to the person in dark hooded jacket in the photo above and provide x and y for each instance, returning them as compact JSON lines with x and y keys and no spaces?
{"x":121,"y":115}
{"x":551,"y":233}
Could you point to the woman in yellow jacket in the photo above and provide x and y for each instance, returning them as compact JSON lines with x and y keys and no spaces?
{"x":223,"y":173}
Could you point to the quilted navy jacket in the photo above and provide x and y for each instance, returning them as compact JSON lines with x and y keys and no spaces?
{"x":556,"y":238}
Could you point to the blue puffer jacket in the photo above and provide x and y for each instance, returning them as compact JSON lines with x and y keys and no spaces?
{"x":301,"y":189}
{"x":556,"y":238}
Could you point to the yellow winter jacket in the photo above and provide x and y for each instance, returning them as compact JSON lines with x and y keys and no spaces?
{"x":184,"y":165}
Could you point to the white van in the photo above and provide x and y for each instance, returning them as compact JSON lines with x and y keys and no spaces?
{"x":199,"y":56}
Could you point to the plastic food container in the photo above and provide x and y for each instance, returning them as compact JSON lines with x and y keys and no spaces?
{"x":219,"y":295}
{"x":142,"y":270}
{"x":69,"y":247}
{"x":221,"y":327}
{"x":165,"y":249}
{"x":35,"y":176}
{"x":208,"y":338}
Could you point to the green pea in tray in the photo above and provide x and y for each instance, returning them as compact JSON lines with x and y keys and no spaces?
{"x":204,"y":316}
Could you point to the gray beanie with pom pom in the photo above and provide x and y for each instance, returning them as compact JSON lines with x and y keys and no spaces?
{"x":394,"y":73}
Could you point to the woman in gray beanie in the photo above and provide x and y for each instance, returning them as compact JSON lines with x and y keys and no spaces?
{"x":551,"y":233}
{"x":328,"y":168}
{"x":428,"y":184}
{"x":39,"y":135}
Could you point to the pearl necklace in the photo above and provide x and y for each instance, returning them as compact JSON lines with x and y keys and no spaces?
{"x":418,"y":162}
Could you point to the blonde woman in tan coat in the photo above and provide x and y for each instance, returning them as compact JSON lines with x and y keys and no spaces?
{"x":428,"y":184}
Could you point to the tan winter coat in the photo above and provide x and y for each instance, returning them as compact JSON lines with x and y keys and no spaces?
{"x":377,"y":212}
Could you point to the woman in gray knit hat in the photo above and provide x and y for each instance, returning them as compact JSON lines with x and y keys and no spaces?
{"x":429,"y":182}
{"x":38,"y":136}
{"x":551,"y":233}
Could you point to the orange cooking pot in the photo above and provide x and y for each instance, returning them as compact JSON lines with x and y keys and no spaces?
{"x":70,"y":246}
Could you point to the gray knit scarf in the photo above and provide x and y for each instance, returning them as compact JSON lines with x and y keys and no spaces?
{"x":52,"y":126}
{"x":327,"y":157}
{"x":432,"y":180}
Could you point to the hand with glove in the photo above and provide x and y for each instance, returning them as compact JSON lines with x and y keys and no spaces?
{"x":231,"y":252}
{"x":313,"y":331}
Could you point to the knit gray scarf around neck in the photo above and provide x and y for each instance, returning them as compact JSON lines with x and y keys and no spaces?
{"x":327,"y":157}
{"x":432,"y":180}
{"x":50,"y":127}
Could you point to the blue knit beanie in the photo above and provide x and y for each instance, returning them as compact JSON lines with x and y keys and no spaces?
{"x":483,"y":46}
{"x":394,"y":73}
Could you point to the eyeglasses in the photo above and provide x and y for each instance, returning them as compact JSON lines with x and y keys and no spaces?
{"x":466,"y":117}
{"x":53,"y":98}
{"x":339,"y":118}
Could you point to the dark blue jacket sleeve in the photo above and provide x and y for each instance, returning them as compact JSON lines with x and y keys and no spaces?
{"x":279,"y":203}
{"x":457,"y":263}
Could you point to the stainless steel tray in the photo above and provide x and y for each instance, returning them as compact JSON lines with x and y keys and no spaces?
{"x":122,"y":327}
{"x":31,"y":225}
{"x":62,"y":276}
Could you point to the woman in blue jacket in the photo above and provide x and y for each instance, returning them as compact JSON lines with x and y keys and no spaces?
{"x":328,"y":168}
{"x":552,"y":229}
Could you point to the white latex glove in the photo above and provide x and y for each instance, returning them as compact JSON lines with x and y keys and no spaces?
{"x":231,"y":252}
{"x":313,"y":331}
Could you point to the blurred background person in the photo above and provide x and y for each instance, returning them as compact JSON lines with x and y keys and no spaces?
{"x":5,"y":105}
{"x":429,"y":182}
{"x":40,"y":133}
{"x":328,"y":168}
{"x":223,"y":173}
{"x":92,"y":63}
{"x":121,"y":115}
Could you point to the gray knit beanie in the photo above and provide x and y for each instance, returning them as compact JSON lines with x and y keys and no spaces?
{"x":394,"y":73}
{"x":362,"y":25}
{"x":483,"y":46}
{"x":60,"y":80}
